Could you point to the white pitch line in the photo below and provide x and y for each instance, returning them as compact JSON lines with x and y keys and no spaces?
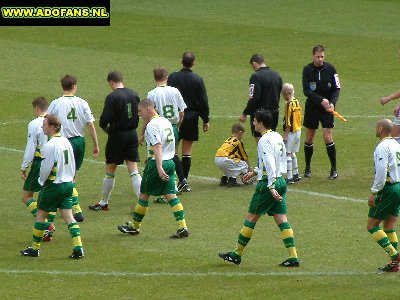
{"x":13,"y":122}
{"x":186,"y":274}
{"x":211,"y":179}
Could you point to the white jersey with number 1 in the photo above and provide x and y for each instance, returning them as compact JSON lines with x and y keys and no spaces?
{"x":58,"y":162}
{"x":159,"y":131}
{"x":73,"y":112}
{"x":168,"y":102}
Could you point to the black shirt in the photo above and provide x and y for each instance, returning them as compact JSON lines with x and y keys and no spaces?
{"x":193,"y":91}
{"x":319,"y":83}
{"x":120,"y":110}
{"x":265,"y":90}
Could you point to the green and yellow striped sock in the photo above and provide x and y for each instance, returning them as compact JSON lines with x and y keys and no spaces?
{"x":392,"y":236}
{"x":75,"y":232}
{"x":381,"y":238}
{"x":244,"y":237}
{"x":75,"y":201}
{"x":31,"y":205}
{"x":50,"y":219}
{"x":141,"y":209}
{"x":179,"y":214}
{"x":288,"y":240}
{"x":37,"y":234}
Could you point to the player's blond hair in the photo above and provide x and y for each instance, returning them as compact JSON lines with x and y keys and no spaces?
{"x":288,"y":88}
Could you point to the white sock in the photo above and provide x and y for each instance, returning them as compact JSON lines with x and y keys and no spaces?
{"x":289,"y":167}
{"x":136,"y":181}
{"x":108,"y":186}
{"x":294,"y":164}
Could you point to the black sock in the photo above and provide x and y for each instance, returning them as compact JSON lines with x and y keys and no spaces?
{"x":186,"y":163}
{"x":331,"y":150}
{"x":308,"y":153}
{"x":178,"y":168}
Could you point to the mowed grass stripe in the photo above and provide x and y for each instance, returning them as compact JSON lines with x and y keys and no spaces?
{"x":293,"y":273}
{"x":211,"y":179}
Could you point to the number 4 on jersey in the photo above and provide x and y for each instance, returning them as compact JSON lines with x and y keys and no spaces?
{"x":72,"y":115}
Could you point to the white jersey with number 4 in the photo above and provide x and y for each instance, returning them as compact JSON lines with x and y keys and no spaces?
{"x":387,"y":163}
{"x":73,"y":112}
{"x":58,"y":162}
{"x":159,"y":131}
{"x":271,"y":156}
{"x":168,"y":102}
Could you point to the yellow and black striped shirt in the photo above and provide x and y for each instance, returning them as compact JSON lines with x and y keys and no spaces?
{"x":293,"y":115}
{"x":232,"y":148}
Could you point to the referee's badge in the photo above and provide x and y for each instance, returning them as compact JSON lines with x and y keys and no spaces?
{"x":313,"y":86}
{"x":251,"y":90}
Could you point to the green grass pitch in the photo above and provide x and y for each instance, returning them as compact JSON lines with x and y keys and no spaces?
{"x":338,"y":257}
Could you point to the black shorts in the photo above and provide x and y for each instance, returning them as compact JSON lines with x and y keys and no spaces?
{"x":314,"y":115}
{"x":189,"y":129}
{"x":121,"y":146}
{"x":274,"y":124}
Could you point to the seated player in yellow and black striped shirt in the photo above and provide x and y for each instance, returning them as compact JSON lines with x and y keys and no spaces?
{"x":232,"y":158}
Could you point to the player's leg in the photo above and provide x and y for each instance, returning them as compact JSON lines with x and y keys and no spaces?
{"x":187,"y":148}
{"x":389,"y":226}
{"x":78,"y":146}
{"x":309,"y":150}
{"x":108,"y":186}
{"x":373,"y":227}
{"x":37,"y":234}
{"x":134,"y":174}
{"x":331,"y":150}
{"x":75,"y":232}
{"x":288,"y":240}
{"x":220,"y":163}
{"x":244,"y":238}
{"x":29,"y":201}
{"x":289,"y":164}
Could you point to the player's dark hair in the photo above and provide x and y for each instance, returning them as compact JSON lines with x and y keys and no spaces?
{"x":264,"y":116}
{"x":160,"y":74}
{"x":54,"y":121}
{"x":257,"y":58}
{"x":115,"y":76}
{"x":318,"y":48}
{"x":188,"y":59}
{"x":41,"y":103}
{"x":68,"y":82}
{"x":237,"y":128}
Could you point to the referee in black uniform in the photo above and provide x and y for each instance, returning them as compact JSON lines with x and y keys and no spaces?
{"x":264,"y":92}
{"x":321,"y":86}
{"x":194,"y":94}
{"x":119,"y":120}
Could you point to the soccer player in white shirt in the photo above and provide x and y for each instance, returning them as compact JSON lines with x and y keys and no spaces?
{"x":56,"y":175}
{"x":74,"y":114}
{"x":159,"y":173}
{"x":169,"y":104}
{"x":32,"y":155}
{"x":270,"y":194}
{"x":384,"y":200}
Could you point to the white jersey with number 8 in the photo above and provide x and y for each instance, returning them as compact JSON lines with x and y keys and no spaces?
{"x":168,"y":102}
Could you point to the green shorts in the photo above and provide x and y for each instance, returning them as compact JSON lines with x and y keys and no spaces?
{"x":176,"y":132}
{"x":387,"y":202}
{"x":53,"y":196}
{"x":31,"y":183}
{"x":262,"y":201}
{"x":152,"y":183}
{"x":78,"y":145}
